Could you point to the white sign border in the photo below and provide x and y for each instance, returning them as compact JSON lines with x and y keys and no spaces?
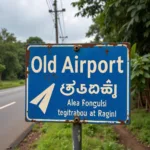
{"x":83,"y":121}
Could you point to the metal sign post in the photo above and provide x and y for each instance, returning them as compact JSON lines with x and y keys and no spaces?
{"x":77,"y":136}
{"x":77,"y":126}
{"x":78,"y":83}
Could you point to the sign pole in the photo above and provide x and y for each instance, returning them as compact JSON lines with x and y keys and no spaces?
{"x":88,"y":78}
{"x":77,"y":136}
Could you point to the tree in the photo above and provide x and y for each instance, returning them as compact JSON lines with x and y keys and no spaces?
{"x":89,"y":7}
{"x":94,"y":30}
{"x":9,"y":55}
{"x":6,"y":36}
{"x":127,"y":20}
{"x":99,"y":30}
{"x":34,"y":40}
{"x":2,"y":68}
{"x":21,"y":57}
{"x":140,"y":78}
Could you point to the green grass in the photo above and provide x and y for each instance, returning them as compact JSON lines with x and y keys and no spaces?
{"x":57,"y":136}
{"x":10,"y":84}
{"x":35,"y":128}
{"x":140,"y":125}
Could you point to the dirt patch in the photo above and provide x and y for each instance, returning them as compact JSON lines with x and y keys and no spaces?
{"x":30,"y":139}
{"x":128,"y":140}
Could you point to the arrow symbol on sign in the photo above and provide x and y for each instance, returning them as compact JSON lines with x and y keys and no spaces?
{"x":44,"y":98}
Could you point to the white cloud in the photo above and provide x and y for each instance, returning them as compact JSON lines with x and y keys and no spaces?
{"x":27,"y":18}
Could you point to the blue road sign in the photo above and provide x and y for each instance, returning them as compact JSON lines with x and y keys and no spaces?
{"x":87,"y":81}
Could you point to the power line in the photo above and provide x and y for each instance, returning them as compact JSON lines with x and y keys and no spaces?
{"x":56,"y":18}
{"x":63,"y":18}
{"x":63,"y":29}
{"x":60,"y":27}
{"x":51,"y":3}
{"x":62,"y":37}
{"x":48,"y":4}
{"x":49,"y":7}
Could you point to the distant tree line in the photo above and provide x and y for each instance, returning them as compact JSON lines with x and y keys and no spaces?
{"x":12,"y":55}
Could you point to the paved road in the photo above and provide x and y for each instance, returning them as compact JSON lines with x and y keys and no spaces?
{"x":12,"y":122}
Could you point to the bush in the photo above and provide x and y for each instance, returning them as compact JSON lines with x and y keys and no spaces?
{"x":140,"y":125}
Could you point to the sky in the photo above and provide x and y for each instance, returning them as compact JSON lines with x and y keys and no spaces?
{"x":27,"y":18}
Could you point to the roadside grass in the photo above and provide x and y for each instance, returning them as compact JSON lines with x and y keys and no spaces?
{"x":55,"y":136}
{"x":140,"y":125}
{"x":10,"y":84}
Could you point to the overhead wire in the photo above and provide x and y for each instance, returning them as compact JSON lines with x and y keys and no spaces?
{"x":62,"y":28}
{"x":63,"y":17}
{"x":47,"y":2}
{"x":51,"y":3}
{"x":50,"y":7}
{"x":61,"y":31}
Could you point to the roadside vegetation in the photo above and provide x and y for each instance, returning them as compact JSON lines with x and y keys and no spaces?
{"x":12,"y":58}
{"x":140,"y":125}
{"x":59,"y":137}
{"x":121,"y":21}
{"x":10,"y":84}
{"x":113,"y":21}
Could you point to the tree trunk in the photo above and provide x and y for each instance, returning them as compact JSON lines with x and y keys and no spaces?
{"x":141,"y":100}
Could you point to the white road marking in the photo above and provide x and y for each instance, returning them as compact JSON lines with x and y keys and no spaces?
{"x":7,"y":105}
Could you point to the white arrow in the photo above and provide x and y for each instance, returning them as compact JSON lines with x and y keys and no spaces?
{"x":44,"y":101}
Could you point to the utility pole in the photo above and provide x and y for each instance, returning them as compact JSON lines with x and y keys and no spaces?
{"x":56,"y":18}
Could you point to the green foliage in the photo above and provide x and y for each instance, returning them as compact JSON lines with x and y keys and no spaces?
{"x":111,"y":146}
{"x":133,"y":53}
{"x":6,"y":37}
{"x":95,"y":137}
{"x":9,"y":84}
{"x":9,"y":55}
{"x":67,"y":125}
{"x":90,"y":130}
{"x":22,"y":82}
{"x":140,"y":125}
{"x":94,"y":30}
{"x":2,"y":68}
{"x":21,"y":58}
{"x":117,"y":20}
{"x":12,"y":55}
{"x":140,"y":78}
{"x":89,"y":7}
{"x":34,"y":40}
{"x":36,"y":128}
{"x":140,"y":66}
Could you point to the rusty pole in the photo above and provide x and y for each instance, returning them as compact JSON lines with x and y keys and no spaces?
{"x":56,"y":20}
{"x":77,"y":134}
{"x":77,"y":126}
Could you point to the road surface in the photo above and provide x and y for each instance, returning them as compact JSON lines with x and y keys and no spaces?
{"x":12,"y":118}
